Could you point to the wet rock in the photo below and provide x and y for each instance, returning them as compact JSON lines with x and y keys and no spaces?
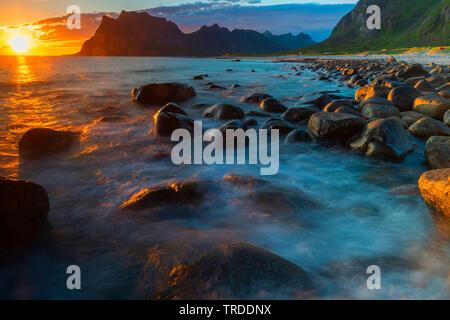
{"x":361,"y":83}
{"x":427,"y":127}
{"x":216,"y":87}
{"x":236,"y":271}
{"x":236,"y":85}
{"x":255,"y":98}
{"x":339,"y":127}
{"x":374,"y":100}
{"x":279,"y":124}
{"x":332,"y":106}
{"x":432,"y":105}
{"x":303,"y":112}
{"x":173,"y":108}
{"x":24,"y":205}
{"x":435,"y":188}
{"x":368,"y":92}
{"x":224,"y":111}
{"x":167,"y":122}
{"x":424,"y":86}
{"x":415,"y":70}
{"x":42,"y":142}
{"x":384,"y":139}
{"x":411,"y":117}
{"x":251,"y":122}
{"x":349,"y":110}
{"x":437,"y":152}
{"x":184,"y":192}
{"x":318,"y":99}
{"x":447,"y":118}
{"x":159,"y":93}
{"x":198,"y":77}
{"x":403,"y":97}
{"x":298,"y":135}
{"x":379,"y":111}
{"x":437,"y":81}
{"x":272,"y":105}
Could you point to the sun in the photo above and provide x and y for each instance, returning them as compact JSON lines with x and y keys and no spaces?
{"x":19,"y":44}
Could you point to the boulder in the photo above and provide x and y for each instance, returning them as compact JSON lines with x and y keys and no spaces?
{"x":437,"y":152}
{"x":437,"y":81}
{"x":415,"y":70}
{"x":173,"y":108}
{"x":224,"y":111}
{"x":298,"y":135}
{"x":424,"y":86}
{"x":42,"y":142}
{"x":435,"y":188}
{"x":349,"y":110}
{"x":279,"y":124}
{"x":374,"y":100}
{"x":184,"y":192}
{"x":158,"y":93}
{"x":447,"y":118}
{"x":411,"y":117}
{"x":255,"y":98}
{"x":427,"y":127}
{"x":236,"y":271}
{"x":24,"y":205}
{"x":384,"y":139}
{"x":432,"y":105}
{"x":167,"y":122}
{"x":318,"y":99}
{"x":332,"y":106}
{"x":403,"y":97}
{"x":272,"y":105}
{"x":368,"y":92}
{"x":331,"y":126}
{"x":379,"y":111}
{"x":300,"y":113}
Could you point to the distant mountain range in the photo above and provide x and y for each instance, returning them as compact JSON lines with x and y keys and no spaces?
{"x":404,"y":24}
{"x":140,"y":34}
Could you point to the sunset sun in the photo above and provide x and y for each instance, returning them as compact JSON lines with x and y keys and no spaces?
{"x":20,"y":44}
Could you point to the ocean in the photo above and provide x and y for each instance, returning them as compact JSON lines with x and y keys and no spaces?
{"x":370,"y":211}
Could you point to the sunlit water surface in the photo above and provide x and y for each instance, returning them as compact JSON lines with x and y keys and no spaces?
{"x":366,"y":216}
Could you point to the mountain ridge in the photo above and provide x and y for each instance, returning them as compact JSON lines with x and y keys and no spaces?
{"x":140,"y":34}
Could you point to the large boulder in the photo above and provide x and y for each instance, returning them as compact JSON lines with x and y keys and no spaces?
{"x":318,"y":99}
{"x":437,"y":152}
{"x":368,"y":92}
{"x":277,"y":124}
{"x":378,"y":111}
{"x":24,"y":205}
{"x":43,"y":142}
{"x":331,"y":126}
{"x":236,"y":271}
{"x":403,"y":97}
{"x":300,"y":113}
{"x":427,"y":127}
{"x":435,"y":188}
{"x":415,"y":70}
{"x":384,"y":139}
{"x":167,"y":122}
{"x":432,"y":105}
{"x":224,"y":111}
{"x":159,"y":93}
{"x":272,"y":105}
{"x":255,"y":98}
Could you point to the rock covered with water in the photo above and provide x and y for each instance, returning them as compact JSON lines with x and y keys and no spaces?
{"x":236,"y":271}
{"x":170,"y":118}
{"x":319,"y":99}
{"x":272,"y":105}
{"x":277,"y":124}
{"x":300,"y":113}
{"x":224,"y":111}
{"x":24,"y":205}
{"x":255,"y":98}
{"x":43,"y":142}
{"x":338,"y":127}
{"x":298,"y":135}
{"x":384,"y":139}
{"x":435,"y":188}
{"x":437,"y":152}
{"x":159,"y":93}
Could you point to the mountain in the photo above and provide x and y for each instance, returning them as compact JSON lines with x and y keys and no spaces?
{"x":289,"y":41}
{"x":404,"y":24}
{"x":140,"y":34}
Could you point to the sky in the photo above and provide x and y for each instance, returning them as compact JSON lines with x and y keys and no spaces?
{"x":29,"y":19}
